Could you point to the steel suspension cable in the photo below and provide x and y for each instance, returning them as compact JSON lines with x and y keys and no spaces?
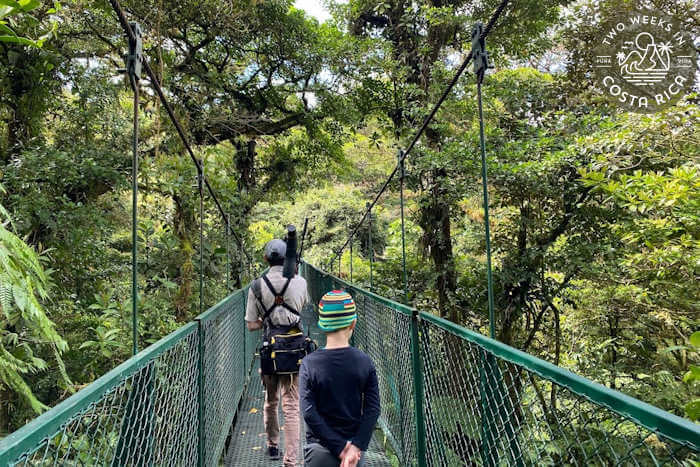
{"x":200,"y":177}
{"x":228,"y":256}
{"x":492,"y":21}
{"x":171,"y":113}
{"x":484,"y":183}
{"x":134,"y":217}
{"x":402,"y":175}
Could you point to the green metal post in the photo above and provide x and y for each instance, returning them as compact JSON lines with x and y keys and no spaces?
{"x":246,"y":363}
{"x":134,"y":221}
{"x":371,"y":249}
{"x":200,"y":180}
{"x":228,"y":266}
{"x":418,"y":392}
{"x":489,"y":410}
{"x":484,"y":181}
{"x":133,"y":68}
{"x":351,"y":241}
{"x":201,"y":432}
{"x":135,"y":444}
{"x":402,"y":175}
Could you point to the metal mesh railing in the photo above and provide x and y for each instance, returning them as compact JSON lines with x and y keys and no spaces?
{"x":143,"y":412}
{"x":225,"y":369}
{"x":171,"y":404}
{"x":449,"y":397}
{"x":483,"y":409}
{"x":485,"y":403}
{"x":383,"y":332}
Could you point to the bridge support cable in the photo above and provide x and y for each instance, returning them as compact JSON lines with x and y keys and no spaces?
{"x":481,"y":63}
{"x":371,"y":248}
{"x":133,"y":69}
{"x":176,"y":123}
{"x":492,"y":21}
{"x":402,"y":175}
{"x":228,"y":256}
{"x":351,"y":242}
{"x":200,"y":177}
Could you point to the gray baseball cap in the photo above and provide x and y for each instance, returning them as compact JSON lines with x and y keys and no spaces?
{"x":275,"y":249}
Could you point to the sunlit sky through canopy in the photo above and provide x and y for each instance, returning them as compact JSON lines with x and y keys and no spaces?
{"x":314,"y":8}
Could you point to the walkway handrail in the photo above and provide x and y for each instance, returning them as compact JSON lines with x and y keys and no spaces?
{"x":449,"y":396}
{"x":170,"y":404}
{"x":654,"y":419}
{"x":30,"y":437}
{"x":501,"y":388}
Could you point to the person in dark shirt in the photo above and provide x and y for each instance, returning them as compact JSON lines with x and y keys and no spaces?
{"x":339,"y":392}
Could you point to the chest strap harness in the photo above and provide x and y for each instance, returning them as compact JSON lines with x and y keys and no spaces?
{"x":279,"y":298}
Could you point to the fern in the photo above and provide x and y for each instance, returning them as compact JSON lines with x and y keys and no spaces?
{"x":23,"y":283}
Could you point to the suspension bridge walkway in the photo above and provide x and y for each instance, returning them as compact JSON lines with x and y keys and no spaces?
{"x":450,"y":397}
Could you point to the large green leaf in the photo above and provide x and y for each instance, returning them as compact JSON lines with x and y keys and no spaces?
{"x":695,"y":339}
{"x":12,"y":4}
{"x":17,"y":40}
{"x":29,"y":5}
{"x":692,"y":409}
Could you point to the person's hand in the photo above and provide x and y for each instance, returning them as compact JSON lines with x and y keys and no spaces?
{"x":344,"y":451}
{"x":350,"y":456}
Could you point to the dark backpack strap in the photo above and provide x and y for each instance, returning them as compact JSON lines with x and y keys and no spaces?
{"x":272,"y":289}
{"x":279,"y":298}
{"x":257,"y":291}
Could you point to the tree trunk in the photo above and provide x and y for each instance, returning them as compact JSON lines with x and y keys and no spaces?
{"x":435,"y":222}
{"x":245,"y":164}
{"x":183,"y":221}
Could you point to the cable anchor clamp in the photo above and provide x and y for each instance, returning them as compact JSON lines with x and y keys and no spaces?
{"x":479,"y":54}
{"x":134,"y":59}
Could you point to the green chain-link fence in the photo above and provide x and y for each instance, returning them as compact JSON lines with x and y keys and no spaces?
{"x":143,"y":412}
{"x":479,"y":402}
{"x":148,"y":410}
{"x":485,"y":403}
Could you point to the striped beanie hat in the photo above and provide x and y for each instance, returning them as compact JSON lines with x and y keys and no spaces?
{"x":336,"y":310}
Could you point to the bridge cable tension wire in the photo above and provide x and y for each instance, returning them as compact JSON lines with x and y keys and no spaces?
{"x":426,"y":122}
{"x":181,"y":132}
{"x":133,"y":68}
{"x":481,"y":64}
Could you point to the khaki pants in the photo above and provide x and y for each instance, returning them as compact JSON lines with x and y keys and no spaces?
{"x":288,"y":385}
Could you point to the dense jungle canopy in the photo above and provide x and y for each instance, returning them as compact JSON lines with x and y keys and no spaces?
{"x":595,"y":212}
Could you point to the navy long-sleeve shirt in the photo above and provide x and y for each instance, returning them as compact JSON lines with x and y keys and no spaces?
{"x":339,"y":397}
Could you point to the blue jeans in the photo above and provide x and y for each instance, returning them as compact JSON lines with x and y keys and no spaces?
{"x":316,"y":455}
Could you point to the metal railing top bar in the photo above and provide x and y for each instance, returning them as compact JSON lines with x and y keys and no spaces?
{"x":49,"y":423}
{"x":401,"y":308}
{"x":180,"y":131}
{"x":659,"y":421}
{"x":219,"y":308}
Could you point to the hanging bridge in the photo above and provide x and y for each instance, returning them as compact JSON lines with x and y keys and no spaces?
{"x":449,"y":396}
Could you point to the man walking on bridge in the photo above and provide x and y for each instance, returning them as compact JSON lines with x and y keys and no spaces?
{"x":275,"y":304}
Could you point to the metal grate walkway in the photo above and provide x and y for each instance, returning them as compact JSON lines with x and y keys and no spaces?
{"x":248,"y":441}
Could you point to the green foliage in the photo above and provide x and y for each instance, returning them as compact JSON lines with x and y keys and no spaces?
{"x":594,"y":213}
{"x":16,"y":13}
{"x":25,"y":326}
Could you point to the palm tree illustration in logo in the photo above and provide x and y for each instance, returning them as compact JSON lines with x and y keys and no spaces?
{"x":644,"y":62}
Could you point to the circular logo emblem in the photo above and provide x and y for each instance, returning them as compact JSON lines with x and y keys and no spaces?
{"x":644,"y":62}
